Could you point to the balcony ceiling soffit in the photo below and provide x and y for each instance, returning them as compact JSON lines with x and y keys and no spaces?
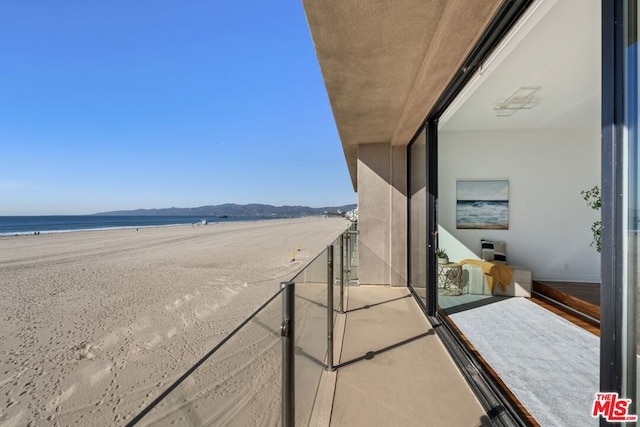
{"x":385,"y":63}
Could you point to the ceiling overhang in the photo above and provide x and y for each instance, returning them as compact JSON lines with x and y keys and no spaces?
{"x":385,"y":63}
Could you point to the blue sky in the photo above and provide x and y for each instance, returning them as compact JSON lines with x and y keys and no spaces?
{"x":150,"y":104}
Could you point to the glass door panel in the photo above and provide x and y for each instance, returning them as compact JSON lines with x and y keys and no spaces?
{"x":632,"y":291}
{"x":418,"y":216}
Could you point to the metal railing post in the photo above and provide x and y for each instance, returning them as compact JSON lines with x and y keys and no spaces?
{"x":330,"y":282}
{"x":288,"y":354}
{"x":348,"y":256}
{"x":342,"y":267}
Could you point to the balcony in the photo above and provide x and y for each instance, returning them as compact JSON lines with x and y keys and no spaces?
{"x":394,"y":370}
{"x":325,"y":351}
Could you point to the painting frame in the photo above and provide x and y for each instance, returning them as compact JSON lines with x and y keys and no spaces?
{"x":482,"y":204}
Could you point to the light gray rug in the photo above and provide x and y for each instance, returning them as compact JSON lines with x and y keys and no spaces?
{"x":551,"y":365}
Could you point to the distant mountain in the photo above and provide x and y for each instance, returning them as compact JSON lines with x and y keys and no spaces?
{"x":234,"y":210}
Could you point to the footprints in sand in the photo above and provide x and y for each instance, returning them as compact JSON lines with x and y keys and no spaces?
{"x":89,"y":370}
{"x":184,"y":313}
{"x":54,"y":404}
{"x":93,"y":338}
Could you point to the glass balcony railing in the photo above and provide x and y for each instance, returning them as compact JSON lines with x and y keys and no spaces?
{"x":268,"y":370}
{"x":234,"y":383}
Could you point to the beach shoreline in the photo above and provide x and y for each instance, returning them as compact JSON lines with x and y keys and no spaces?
{"x":95,"y":324}
{"x":196,"y":223}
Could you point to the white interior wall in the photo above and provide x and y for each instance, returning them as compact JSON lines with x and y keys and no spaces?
{"x":549,"y":222}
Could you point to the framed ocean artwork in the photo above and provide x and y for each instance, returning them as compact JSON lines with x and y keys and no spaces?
{"x":482,"y":205}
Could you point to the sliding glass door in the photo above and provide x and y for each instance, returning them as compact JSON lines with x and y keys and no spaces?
{"x":630,"y":141}
{"x":620,"y":329}
{"x":418,"y":276}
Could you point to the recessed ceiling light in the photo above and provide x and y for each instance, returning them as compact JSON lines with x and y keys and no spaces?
{"x":522,"y":99}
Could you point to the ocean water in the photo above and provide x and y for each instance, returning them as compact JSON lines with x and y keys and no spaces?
{"x":478,"y":213}
{"x":12,"y":225}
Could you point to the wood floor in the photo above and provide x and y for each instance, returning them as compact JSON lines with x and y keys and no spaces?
{"x":578,"y":303}
{"x":588,"y":292}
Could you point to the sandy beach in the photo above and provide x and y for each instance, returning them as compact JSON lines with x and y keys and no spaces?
{"x":95,"y":324}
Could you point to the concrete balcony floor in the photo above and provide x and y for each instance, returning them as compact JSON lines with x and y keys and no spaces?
{"x":393,"y":369}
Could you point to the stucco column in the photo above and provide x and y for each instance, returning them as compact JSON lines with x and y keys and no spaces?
{"x":381,"y":215}
{"x":398,"y":261}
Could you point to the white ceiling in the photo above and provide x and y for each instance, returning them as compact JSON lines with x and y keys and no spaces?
{"x":558,"y":50}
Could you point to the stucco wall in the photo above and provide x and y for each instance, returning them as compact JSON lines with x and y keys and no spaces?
{"x":374,"y":207}
{"x":398,"y":261}
{"x":549,"y":222}
{"x":382,"y":215}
